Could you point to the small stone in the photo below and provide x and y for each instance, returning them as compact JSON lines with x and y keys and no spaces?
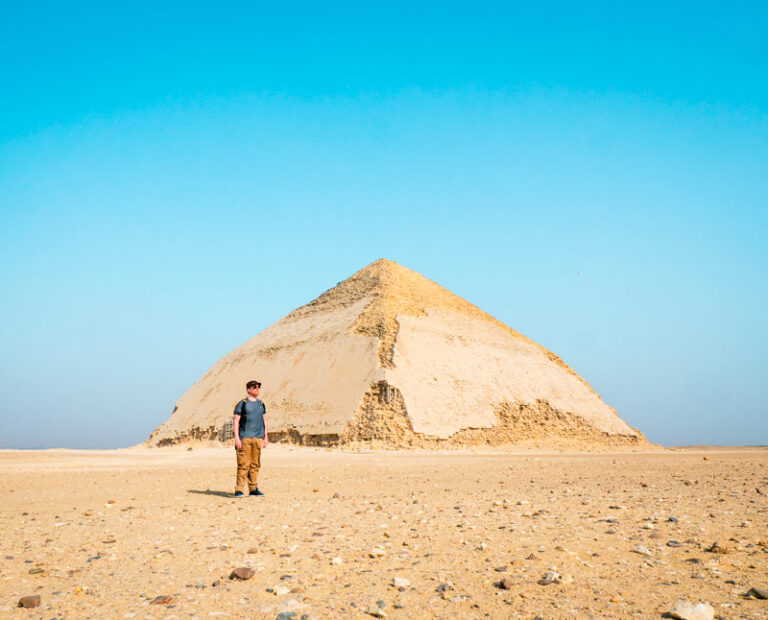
{"x":504,"y":584}
{"x":243,"y":573}
{"x":281,"y":590}
{"x":336,"y":496}
{"x":684,"y":610}
{"x":531,"y":557}
{"x":549,"y":577}
{"x":253,"y":550}
{"x":716,"y":548}
{"x":673,"y":519}
{"x":500,"y":569}
{"x":642,"y":550}
{"x":377,"y":552}
{"x":761,"y":593}
{"x":162,"y":600}
{"x":336,"y":560}
{"x":400,"y":582}
{"x":28,"y":602}
{"x":647,"y":526}
{"x":35,"y":571}
{"x":376,"y":611}
{"x":674,"y":543}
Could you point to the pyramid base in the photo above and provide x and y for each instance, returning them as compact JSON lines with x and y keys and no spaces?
{"x":382,"y":421}
{"x":192,"y":434}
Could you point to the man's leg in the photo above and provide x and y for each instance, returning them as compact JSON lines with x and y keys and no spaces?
{"x":243,"y":463}
{"x":253,"y":472}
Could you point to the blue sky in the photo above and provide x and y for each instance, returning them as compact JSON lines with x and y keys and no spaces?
{"x":176,"y":177}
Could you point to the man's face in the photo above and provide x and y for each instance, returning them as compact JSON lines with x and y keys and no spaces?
{"x":253,"y":391}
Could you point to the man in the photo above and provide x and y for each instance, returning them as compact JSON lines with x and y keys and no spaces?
{"x":250,"y":429}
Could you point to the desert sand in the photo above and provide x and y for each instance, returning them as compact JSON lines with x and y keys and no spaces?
{"x":408,"y":534}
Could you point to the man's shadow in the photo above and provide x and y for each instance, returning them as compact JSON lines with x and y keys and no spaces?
{"x":209,"y":492}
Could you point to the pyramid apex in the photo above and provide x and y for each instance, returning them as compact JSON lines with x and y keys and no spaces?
{"x":381,"y":265}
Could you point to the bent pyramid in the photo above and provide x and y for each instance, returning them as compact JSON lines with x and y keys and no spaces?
{"x":391,"y":357}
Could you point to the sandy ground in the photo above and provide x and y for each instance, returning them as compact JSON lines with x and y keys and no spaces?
{"x":100,"y":534}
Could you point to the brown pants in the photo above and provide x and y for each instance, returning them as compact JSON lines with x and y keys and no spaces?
{"x":249,"y":462}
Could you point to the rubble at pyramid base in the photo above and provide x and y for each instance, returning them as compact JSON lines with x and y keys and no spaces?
{"x":381,"y":421}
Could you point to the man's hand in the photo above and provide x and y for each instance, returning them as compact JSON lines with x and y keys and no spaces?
{"x":265,"y":442}
{"x":236,"y":429}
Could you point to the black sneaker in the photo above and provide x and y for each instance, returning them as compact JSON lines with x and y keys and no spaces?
{"x":238,"y":494}
{"x":256,"y":492}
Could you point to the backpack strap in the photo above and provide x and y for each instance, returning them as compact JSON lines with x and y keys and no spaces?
{"x":242,"y":414}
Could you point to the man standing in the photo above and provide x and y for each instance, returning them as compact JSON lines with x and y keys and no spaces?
{"x":250,"y":429}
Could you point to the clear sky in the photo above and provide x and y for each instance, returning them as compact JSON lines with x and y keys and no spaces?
{"x":174,"y":177}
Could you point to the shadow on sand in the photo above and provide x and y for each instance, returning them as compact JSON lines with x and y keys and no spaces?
{"x":209,"y":492}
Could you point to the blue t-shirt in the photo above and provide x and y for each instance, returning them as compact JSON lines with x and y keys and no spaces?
{"x":252,"y":419}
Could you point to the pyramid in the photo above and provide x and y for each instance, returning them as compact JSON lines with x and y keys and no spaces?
{"x":392,"y":358}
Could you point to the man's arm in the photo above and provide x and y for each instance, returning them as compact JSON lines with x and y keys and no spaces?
{"x":236,"y":429}
{"x":266,"y":441}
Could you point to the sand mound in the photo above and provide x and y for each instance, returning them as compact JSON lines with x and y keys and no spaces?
{"x":390,"y":357}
